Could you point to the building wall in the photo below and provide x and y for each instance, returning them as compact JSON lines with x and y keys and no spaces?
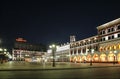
{"x":109,"y":35}
{"x":23,"y":50}
{"x":104,"y":47}
{"x":61,"y":54}
{"x":24,"y":55}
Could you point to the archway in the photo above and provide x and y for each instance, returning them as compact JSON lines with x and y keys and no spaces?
{"x":83,"y":59}
{"x":103,"y":58}
{"x":95,"y":58}
{"x":89,"y":57}
{"x":101,"y":49}
{"x":75,"y":59}
{"x":78,"y":58}
{"x":118,"y":46}
{"x":118,"y":58}
{"x":71,"y":59}
{"x":106,"y":48}
{"x":111,"y":57}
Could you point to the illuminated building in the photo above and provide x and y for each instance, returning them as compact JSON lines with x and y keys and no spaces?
{"x":27,"y":51}
{"x":61,"y":54}
{"x":84,"y":50}
{"x":104,"y":47}
{"x":109,"y":45}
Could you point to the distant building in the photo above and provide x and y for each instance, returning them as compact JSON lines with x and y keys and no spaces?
{"x":61,"y":54}
{"x":26,"y":51}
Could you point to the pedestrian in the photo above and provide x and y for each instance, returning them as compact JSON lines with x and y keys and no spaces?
{"x":90,"y":62}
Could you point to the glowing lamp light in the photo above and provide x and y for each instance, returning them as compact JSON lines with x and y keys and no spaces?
{"x":115,"y":51}
{"x":53,"y":45}
{"x":1,"y":49}
{"x":4,"y":52}
{"x":50,"y":46}
{"x":5,"y":49}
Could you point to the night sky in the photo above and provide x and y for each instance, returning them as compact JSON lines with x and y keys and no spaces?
{"x":50,"y":21}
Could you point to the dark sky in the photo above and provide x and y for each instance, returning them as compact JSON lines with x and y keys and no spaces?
{"x":47,"y":22}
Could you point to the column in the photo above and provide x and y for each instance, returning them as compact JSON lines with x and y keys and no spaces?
{"x":81,"y":51}
{"x":73,"y":52}
{"x":77,"y":51}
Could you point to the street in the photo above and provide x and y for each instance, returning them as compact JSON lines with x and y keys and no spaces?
{"x":89,"y":73}
{"x":63,"y":70}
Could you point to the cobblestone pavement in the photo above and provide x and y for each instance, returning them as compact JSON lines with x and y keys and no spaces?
{"x":14,"y":65}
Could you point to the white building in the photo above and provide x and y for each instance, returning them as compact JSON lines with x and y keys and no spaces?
{"x":61,"y":55}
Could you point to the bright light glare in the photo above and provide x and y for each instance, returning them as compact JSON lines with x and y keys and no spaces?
{"x":50,"y":46}
{"x":1,"y":49}
{"x":5,"y":49}
{"x":53,"y":45}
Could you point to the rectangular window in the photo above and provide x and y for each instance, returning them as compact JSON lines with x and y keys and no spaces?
{"x":109,"y":37}
{"x":112,"y":29}
{"x":118,"y":27}
{"x":118,"y":35}
{"x":103,"y":39}
{"x":108,"y":30}
{"x":103,"y":31}
{"x":112,"y":36}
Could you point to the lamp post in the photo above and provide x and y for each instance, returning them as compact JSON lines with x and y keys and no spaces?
{"x":114,"y":60}
{"x":53,"y":47}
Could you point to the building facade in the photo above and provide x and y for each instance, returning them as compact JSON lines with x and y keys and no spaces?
{"x":61,"y":55}
{"x":84,"y":50}
{"x":104,"y":47}
{"x":109,"y":45}
{"x":24,"y":51}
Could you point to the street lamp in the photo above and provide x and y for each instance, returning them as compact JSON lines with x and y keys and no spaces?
{"x":114,"y":60}
{"x":53,"y":47}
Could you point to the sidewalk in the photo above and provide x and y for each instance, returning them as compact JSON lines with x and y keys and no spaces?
{"x":24,"y":66}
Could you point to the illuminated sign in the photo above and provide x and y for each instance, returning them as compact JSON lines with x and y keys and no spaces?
{"x":20,"y":40}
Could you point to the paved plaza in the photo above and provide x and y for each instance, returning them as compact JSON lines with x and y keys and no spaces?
{"x":21,"y":65}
